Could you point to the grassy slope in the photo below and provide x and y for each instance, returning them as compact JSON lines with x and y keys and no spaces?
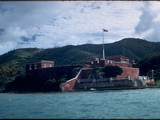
{"x":13,"y":63}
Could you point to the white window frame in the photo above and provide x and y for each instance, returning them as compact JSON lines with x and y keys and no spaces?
{"x":44,"y":65}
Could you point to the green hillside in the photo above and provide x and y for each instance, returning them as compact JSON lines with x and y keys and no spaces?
{"x":12,"y":64}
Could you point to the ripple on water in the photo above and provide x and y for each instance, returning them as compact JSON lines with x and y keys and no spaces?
{"x":78,"y":105}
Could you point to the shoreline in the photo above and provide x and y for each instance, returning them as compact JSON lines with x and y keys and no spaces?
{"x":87,"y":90}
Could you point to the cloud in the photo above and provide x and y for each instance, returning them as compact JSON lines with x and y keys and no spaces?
{"x":28,"y":13}
{"x":9,"y":38}
{"x":46,"y":24}
{"x":1,"y":31}
{"x":148,"y":25}
{"x":146,"y":20}
{"x":11,"y":34}
{"x":32,"y":38}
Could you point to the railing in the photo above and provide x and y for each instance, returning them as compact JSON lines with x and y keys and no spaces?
{"x":101,"y":79}
{"x":69,"y":85}
{"x":75,"y":77}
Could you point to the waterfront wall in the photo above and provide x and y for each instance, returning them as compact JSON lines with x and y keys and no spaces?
{"x":70,"y":84}
{"x":81,"y":81}
{"x":104,"y":84}
{"x":108,"y":83}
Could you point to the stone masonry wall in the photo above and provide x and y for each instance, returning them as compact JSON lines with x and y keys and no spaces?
{"x":107,"y":84}
{"x":70,"y":84}
{"x":129,"y":72}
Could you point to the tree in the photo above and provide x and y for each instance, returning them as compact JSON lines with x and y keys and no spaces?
{"x":149,"y":63}
{"x":112,"y":71}
{"x":97,"y":73}
{"x":51,"y":85}
{"x":154,"y":75}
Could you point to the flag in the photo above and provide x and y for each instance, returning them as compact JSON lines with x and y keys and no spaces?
{"x":104,"y":30}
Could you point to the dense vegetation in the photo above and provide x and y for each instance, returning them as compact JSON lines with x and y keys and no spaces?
{"x":112,"y":71}
{"x":12,"y":64}
{"x":29,"y":84}
{"x":150,"y":66}
{"x":106,"y":72}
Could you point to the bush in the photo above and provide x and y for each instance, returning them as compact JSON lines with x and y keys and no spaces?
{"x":97,"y":73}
{"x":51,"y":85}
{"x":150,"y":84}
{"x":112,"y":71}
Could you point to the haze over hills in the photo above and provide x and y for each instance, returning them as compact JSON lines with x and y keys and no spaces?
{"x":12,"y":64}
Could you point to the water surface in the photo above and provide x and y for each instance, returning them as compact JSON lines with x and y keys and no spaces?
{"x":140,"y":103}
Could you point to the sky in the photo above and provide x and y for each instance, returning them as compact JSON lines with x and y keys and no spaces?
{"x":49,"y":24}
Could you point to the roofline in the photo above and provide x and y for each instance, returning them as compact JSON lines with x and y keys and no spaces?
{"x":116,"y":56}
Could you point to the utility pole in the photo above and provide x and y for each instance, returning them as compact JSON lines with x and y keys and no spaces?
{"x":153,"y":74}
{"x":153,"y":77}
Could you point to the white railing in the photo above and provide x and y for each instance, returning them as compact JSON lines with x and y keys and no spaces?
{"x":74,"y":77}
{"x":102,"y":79}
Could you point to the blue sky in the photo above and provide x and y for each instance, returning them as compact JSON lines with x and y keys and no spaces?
{"x":47,"y":24}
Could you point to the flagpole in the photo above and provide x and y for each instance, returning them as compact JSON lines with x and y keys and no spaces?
{"x":104,"y":30}
{"x":103,"y":44}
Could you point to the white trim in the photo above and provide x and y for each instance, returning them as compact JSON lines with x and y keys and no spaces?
{"x":75,"y":77}
{"x":44,"y":65}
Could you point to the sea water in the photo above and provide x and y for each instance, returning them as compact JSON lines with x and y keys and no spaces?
{"x":140,"y":103}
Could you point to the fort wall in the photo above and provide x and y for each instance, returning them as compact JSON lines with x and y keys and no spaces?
{"x":106,"y":84}
{"x":45,"y":70}
{"x":54,"y":72}
{"x":129,"y":72}
{"x":70,"y":84}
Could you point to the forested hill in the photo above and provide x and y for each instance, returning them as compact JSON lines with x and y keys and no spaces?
{"x":13,"y":62}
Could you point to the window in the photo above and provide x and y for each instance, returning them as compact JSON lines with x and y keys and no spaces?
{"x":44,"y":65}
{"x":30,"y":66}
{"x":35,"y":66}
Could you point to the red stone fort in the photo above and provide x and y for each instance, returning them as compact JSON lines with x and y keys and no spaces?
{"x":117,"y":60}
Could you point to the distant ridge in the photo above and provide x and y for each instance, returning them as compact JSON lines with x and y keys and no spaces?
{"x":13,"y":63}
